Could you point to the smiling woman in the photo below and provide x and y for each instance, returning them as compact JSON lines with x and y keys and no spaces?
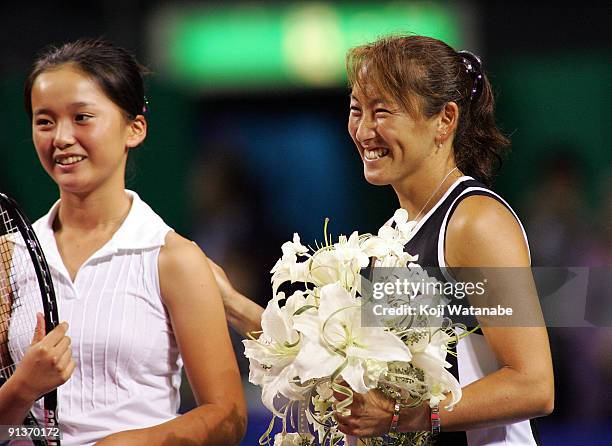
{"x":80,"y":135}
{"x":389,"y":139}
{"x":422,"y":120}
{"x":140,"y":299}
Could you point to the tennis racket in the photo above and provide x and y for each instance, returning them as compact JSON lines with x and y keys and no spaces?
{"x":25,"y":289}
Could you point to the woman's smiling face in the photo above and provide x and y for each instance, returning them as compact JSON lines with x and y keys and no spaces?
{"x":391,"y":142}
{"x":81,"y":136}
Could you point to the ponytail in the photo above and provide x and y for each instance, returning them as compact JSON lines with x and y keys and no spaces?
{"x":479,"y":146}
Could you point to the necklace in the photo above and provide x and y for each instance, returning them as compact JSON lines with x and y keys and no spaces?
{"x":434,"y":193}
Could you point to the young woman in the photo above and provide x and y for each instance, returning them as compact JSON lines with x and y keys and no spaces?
{"x":140,"y":299}
{"x":422,"y":119}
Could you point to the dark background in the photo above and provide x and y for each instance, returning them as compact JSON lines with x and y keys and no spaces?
{"x":240,"y":171}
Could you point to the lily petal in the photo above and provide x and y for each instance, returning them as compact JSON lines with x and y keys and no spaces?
{"x":315,"y":353}
{"x":353,"y":375}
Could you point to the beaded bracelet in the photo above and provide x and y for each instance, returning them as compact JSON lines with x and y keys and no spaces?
{"x":435,"y":421}
{"x":395,"y":418}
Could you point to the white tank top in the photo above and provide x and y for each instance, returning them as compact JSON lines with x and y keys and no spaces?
{"x":128,"y":362}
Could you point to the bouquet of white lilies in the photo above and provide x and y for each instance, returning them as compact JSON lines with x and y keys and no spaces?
{"x":313,"y":342}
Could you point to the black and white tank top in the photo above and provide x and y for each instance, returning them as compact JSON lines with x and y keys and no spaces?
{"x":474,"y":358}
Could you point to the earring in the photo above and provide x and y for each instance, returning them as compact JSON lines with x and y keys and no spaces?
{"x":440,"y":141}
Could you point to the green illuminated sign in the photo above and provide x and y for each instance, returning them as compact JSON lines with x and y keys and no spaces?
{"x":296,"y":44}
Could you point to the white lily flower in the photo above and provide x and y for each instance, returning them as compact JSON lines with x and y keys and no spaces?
{"x":294,"y":248}
{"x":320,"y":406}
{"x":287,"y":268}
{"x":271,"y":356}
{"x":317,"y":334}
{"x":350,"y":250}
{"x":342,"y":262}
{"x":324,"y":390}
{"x":328,"y":267}
{"x":279,"y":342}
{"x":403,"y":225}
{"x":438,"y":387}
{"x":391,"y":238}
{"x":293,"y":439}
{"x":400,"y":216}
{"x":334,"y":334}
{"x":387,"y":242}
{"x":388,"y":245}
{"x":283,"y":384}
{"x":431,"y":358}
{"x":374,"y":369}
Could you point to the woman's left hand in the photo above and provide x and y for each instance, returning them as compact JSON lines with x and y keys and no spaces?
{"x":370,"y":416}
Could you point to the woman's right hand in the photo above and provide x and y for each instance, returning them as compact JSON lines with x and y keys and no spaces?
{"x":242,"y":313}
{"x":47,"y":363}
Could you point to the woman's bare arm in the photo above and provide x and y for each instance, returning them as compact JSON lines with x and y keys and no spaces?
{"x":198,"y":320}
{"x":482,"y":233}
{"x":242,"y":313}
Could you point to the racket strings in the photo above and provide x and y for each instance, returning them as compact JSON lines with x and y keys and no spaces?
{"x":19,"y":301}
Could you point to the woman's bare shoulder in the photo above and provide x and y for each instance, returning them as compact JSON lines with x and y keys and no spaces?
{"x":484,"y":232}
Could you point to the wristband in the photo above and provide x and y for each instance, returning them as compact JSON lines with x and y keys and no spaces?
{"x":395,"y":418}
{"x":435,"y":421}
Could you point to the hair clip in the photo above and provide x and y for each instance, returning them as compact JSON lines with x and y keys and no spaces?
{"x":473,"y":66}
{"x":145,"y":107}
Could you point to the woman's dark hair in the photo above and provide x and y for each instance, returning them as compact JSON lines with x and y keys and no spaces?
{"x":116,"y":71}
{"x":424,"y":74}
